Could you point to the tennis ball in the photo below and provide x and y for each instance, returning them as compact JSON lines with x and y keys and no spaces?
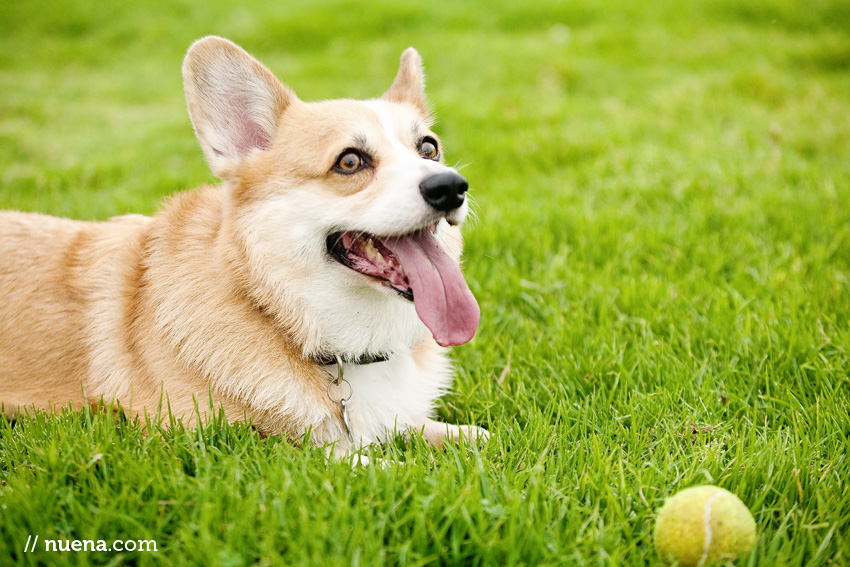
{"x":703,"y":524}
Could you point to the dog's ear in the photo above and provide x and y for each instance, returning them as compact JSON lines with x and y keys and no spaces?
{"x":409,"y":84}
{"x":234,"y":102}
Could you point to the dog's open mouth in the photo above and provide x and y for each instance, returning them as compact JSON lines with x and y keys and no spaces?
{"x":368,"y":255}
{"x":417,"y":267}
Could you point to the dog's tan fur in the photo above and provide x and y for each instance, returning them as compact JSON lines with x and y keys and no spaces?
{"x":183,"y":307}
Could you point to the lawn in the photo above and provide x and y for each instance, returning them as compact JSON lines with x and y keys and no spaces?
{"x":661,"y":251}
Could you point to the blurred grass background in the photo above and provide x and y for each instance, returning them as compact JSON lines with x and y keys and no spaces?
{"x":662,"y":256}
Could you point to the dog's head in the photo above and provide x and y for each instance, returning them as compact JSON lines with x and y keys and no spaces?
{"x":341,"y":212}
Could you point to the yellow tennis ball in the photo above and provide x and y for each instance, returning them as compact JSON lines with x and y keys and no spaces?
{"x":703,"y":524}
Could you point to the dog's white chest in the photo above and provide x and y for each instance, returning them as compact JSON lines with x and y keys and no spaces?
{"x":388,"y":397}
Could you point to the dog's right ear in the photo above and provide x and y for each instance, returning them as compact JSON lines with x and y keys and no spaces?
{"x":234,"y":102}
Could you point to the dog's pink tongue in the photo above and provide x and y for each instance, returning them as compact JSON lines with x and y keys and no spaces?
{"x":442,"y":299}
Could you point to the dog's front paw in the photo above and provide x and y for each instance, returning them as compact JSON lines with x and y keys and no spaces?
{"x":470,"y":433}
{"x":438,"y":433}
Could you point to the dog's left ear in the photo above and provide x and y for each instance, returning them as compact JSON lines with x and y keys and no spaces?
{"x":409,"y":84}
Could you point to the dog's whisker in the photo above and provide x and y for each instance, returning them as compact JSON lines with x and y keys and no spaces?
{"x":473,"y":216}
{"x":337,"y":241}
{"x":454,"y":237}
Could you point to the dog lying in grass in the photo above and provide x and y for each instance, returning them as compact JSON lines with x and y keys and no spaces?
{"x":311,"y":292}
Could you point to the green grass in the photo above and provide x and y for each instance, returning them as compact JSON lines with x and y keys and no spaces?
{"x":662,"y":255}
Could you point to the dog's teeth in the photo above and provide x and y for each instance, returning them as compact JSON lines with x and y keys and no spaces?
{"x":369,"y":249}
{"x":379,"y":257}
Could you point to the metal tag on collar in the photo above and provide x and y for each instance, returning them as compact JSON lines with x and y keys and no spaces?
{"x":338,"y":382}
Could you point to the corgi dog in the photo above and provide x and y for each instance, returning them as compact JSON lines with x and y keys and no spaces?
{"x":312,"y":293}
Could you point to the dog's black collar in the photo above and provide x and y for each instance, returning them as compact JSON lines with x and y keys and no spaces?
{"x":328,"y":359}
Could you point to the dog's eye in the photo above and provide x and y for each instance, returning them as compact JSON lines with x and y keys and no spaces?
{"x":349,"y":162}
{"x":428,"y":149}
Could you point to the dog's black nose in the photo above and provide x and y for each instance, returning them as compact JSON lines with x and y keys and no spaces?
{"x":444,"y":191}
